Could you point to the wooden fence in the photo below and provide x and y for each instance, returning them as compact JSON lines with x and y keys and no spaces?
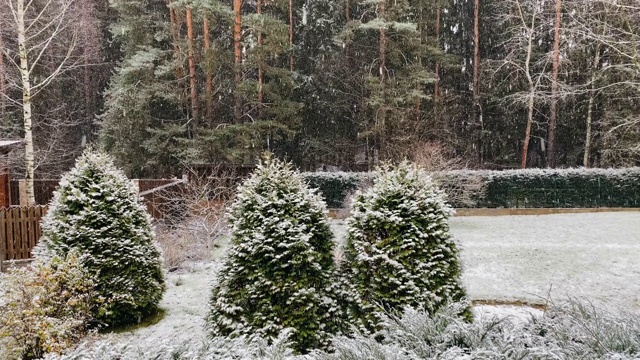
{"x":42,"y":190}
{"x":162,"y":200}
{"x":19,"y":231}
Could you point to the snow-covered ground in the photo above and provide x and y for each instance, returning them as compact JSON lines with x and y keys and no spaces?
{"x":530,"y":258}
{"x":593,"y":256}
{"x":504,"y":258}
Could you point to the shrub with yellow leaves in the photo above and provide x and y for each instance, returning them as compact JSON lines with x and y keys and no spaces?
{"x":46,"y":308}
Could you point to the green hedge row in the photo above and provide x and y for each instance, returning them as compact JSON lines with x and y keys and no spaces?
{"x":531,"y":188}
{"x":336,"y":187}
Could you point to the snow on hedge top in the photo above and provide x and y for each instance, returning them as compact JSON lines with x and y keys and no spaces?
{"x":407,"y":188}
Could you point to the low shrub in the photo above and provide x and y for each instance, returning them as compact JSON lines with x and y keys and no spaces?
{"x":573,"y":330}
{"x":47,"y":309}
{"x":203,"y":203}
{"x":237,"y":348}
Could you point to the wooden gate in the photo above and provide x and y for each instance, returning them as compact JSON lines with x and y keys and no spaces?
{"x":19,"y":231}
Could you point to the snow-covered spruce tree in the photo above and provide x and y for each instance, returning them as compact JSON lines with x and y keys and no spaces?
{"x":398,"y":251}
{"x":278,"y":272}
{"x":96,"y":211}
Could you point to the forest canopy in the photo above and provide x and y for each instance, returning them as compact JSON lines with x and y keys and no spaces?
{"x":344,"y":83}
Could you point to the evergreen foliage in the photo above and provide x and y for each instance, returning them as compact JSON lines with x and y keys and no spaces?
{"x":278,"y":273}
{"x":399,"y":251}
{"x":96,"y":212}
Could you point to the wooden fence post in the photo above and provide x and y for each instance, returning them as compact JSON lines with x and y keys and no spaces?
{"x":3,"y":236}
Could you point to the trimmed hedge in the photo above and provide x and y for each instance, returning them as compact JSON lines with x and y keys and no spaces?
{"x":531,"y":188}
{"x":336,"y":187}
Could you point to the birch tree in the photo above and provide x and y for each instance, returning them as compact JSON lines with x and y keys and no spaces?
{"x":3,"y":80}
{"x":523,"y":59}
{"x":40,"y":39}
{"x":553,"y":118}
{"x":603,"y":35}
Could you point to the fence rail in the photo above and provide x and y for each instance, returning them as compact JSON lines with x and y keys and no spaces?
{"x":19,"y":231}
{"x":164,"y":199}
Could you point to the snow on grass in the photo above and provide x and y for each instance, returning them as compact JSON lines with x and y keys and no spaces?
{"x":593,"y":256}
{"x":513,"y":313}
{"x":505,"y":258}
{"x":185,"y":304}
{"x":540,"y":258}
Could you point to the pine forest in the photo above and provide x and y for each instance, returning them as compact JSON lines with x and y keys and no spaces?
{"x":162,"y":84}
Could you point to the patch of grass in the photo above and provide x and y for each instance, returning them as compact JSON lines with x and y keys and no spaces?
{"x":150,"y":320}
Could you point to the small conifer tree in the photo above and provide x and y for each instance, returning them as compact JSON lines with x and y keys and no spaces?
{"x":278,"y":273}
{"x":399,"y":251}
{"x":96,"y":212}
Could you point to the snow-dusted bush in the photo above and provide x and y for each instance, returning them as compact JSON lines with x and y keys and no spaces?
{"x":573,"y":330}
{"x":568,"y":331}
{"x":278,"y":272}
{"x":239,"y":348}
{"x":399,"y":251}
{"x":47,"y":308}
{"x":96,"y":212}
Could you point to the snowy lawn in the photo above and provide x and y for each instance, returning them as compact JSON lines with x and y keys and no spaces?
{"x":593,"y":256}
{"x":504,"y":258}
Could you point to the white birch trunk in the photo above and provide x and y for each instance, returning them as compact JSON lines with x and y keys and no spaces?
{"x":26,"y":103}
{"x":3,"y":81}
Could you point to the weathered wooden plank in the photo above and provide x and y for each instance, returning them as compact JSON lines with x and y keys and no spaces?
{"x":3,"y":234}
{"x":30,"y":242}
{"x":24,"y":233}
{"x":37,"y":216}
{"x":17,"y":233}
{"x":24,"y":224}
{"x":14,"y":227}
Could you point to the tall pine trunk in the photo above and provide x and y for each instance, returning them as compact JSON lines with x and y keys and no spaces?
{"x":26,"y":103}
{"x":175,"y":35}
{"x":347,"y":10}
{"x":208,"y":87}
{"x":88,"y":99}
{"x":382,"y":113}
{"x":477,"y":111}
{"x":195,"y":114}
{"x":291,"y":57}
{"x":553,"y":118}
{"x":421,"y":30}
{"x":237,"y":55}
{"x":436,"y":84}
{"x":260,"y":67}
